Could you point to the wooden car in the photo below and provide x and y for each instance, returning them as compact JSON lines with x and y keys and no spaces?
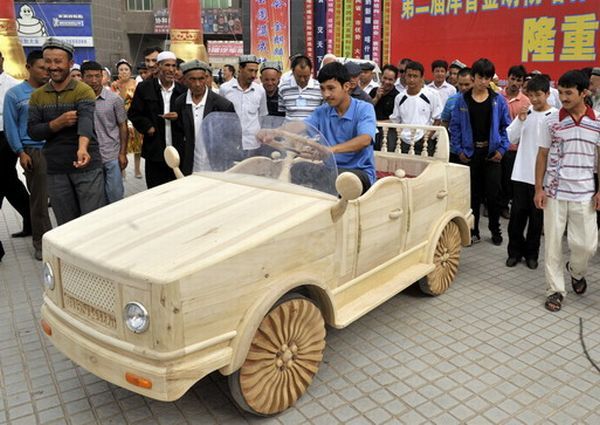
{"x":241,"y":273}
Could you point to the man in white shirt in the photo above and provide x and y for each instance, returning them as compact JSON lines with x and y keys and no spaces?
{"x":301,"y":94}
{"x":150,"y":113}
{"x":416,"y":105}
{"x":250,"y":101}
{"x":365,"y":80}
{"x":11,"y":187}
{"x":191,"y":108}
{"x":439,"y":68}
{"x":564,"y":187}
{"x":401,"y":81}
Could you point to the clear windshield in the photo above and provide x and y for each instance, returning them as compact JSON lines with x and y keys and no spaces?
{"x":292,"y":152}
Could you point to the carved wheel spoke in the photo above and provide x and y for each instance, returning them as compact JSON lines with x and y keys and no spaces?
{"x":284,"y":356}
{"x":446,"y":259}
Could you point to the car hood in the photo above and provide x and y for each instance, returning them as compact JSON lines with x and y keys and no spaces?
{"x":162,"y":234}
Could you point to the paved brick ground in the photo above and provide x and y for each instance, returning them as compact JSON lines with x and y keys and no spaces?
{"x":486,"y":352}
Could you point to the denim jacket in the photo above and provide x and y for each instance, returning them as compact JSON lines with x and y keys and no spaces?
{"x":461,"y":134}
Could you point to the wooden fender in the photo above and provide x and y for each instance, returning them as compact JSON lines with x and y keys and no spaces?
{"x":256,"y":313}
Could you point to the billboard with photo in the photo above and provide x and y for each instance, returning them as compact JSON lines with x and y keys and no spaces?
{"x":70,"y":22}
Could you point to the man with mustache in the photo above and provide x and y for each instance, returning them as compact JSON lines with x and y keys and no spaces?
{"x":150,"y":113}
{"x":62,"y":113}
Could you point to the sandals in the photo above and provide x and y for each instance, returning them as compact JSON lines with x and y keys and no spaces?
{"x":579,"y":285}
{"x":554,"y":302}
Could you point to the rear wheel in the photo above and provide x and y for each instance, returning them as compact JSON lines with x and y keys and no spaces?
{"x":284,"y":356}
{"x":446,"y":259}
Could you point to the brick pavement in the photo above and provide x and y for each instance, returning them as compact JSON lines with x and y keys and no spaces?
{"x":486,"y":352}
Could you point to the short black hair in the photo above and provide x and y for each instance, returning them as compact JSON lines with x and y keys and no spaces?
{"x":179,"y":61}
{"x":389,"y":66}
{"x":90,"y":66}
{"x":455,"y":65}
{"x":538,"y":83}
{"x":302,"y":61}
{"x":484,"y":68}
{"x":231,"y":68}
{"x":404,"y":61}
{"x":333,"y":71}
{"x":33,"y":56}
{"x":465,"y":71}
{"x":587,"y":71}
{"x":416,"y":66}
{"x":518,"y":71}
{"x":574,"y":78}
{"x":440,"y":63}
{"x":151,"y":50}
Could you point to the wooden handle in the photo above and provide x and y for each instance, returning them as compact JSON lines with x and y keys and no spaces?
{"x":396,"y":214}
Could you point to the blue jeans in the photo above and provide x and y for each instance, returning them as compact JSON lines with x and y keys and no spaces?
{"x":113,"y":181}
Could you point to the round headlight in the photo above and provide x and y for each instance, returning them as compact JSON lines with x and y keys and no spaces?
{"x":48,"y":276}
{"x":136,"y":317}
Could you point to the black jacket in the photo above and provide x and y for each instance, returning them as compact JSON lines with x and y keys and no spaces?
{"x":146,"y":106}
{"x":184,"y":133}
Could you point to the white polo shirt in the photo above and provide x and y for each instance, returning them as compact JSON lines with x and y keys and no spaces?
{"x":526,"y":134}
{"x":444,"y":91}
{"x":6,"y":83}
{"x":250,"y":105}
{"x":571,"y":156}
{"x":372,"y":85}
{"x":200,"y":157}
{"x":421,"y":109}
{"x":297,"y":102}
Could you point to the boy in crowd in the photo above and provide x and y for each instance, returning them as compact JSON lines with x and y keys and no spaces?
{"x":478,"y":136}
{"x":564,"y":186}
{"x":525,"y":130}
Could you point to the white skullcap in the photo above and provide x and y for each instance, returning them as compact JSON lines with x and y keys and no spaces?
{"x":75,"y":66}
{"x":166,"y":55}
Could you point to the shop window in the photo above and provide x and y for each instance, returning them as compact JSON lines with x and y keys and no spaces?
{"x":140,"y":5}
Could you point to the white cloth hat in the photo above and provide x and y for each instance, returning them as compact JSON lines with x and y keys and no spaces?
{"x":166,"y":55}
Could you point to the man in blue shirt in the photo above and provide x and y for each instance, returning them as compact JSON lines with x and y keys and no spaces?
{"x":348,"y":124}
{"x":16,"y":112}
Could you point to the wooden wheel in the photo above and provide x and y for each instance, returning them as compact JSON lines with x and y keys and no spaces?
{"x":446,"y":259}
{"x":284,"y":356}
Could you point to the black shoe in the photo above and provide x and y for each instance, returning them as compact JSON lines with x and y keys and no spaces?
{"x":512,"y":261}
{"x":505,"y":213}
{"x":532,"y":263}
{"x":475,"y":239}
{"x":579,"y":285}
{"x":1,"y":251}
{"x":22,"y":234}
{"x":497,"y":239}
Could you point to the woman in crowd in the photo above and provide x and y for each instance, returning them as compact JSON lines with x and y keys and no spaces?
{"x":124,"y":85}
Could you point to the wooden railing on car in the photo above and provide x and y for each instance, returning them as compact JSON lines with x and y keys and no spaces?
{"x":442,"y":147}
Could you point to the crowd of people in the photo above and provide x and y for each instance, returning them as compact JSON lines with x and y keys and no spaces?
{"x":532,"y":149}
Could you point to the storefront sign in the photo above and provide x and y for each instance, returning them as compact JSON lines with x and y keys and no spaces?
{"x":222,"y":49}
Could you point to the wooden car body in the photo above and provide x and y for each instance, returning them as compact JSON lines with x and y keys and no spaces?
{"x":210,"y":254}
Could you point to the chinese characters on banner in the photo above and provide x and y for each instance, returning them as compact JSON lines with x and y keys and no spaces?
{"x":269,"y":29}
{"x":550,"y":35}
{"x":320,"y":27}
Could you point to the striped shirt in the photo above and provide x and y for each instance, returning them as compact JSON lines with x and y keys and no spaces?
{"x":60,"y":150}
{"x":298,"y":103}
{"x":109,"y":114}
{"x":572,"y":155}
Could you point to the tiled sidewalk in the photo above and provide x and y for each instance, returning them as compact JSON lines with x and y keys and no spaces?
{"x":486,"y":352}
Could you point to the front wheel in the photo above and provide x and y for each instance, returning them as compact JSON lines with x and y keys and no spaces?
{"x":446,"y":259}
{"x":284,"y":356}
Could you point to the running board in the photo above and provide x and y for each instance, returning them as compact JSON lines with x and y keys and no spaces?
{"x":397,"y":278}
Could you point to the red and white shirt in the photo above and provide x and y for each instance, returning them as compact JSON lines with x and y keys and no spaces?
{"x":572,"y":155}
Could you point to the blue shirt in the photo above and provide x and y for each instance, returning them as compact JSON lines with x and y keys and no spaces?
{"x":449,"y":107}
{"x":359,"y":119}
{"x":16,"y":111}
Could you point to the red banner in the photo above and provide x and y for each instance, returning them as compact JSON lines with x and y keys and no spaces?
{"x":270,"y":30}
{"x":308,"y":28}
{"x":225,"y":48}
{"x":357,"y":35}
{"x":330,"y":25}
{"x":376,"y":36}
{"x":552,"y":36}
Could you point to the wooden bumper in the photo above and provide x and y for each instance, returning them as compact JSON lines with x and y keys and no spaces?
{"x":169,"y":380}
